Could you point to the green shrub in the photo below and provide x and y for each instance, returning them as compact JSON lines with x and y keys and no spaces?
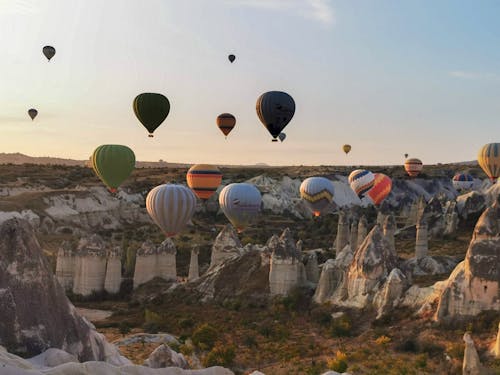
{"x":338,"y":363}
{"x":220,"y":355}
{"x":341,"y":327}
{"x":205,"y":336}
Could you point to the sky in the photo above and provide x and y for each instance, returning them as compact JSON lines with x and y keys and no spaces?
{"x":387,"y":77}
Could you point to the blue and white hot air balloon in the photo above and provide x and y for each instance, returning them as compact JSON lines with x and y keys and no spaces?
{"x":463,"y":181}
{"x":361,"y":181}
{"x":317,"y":192}
{"x":241,"y":203}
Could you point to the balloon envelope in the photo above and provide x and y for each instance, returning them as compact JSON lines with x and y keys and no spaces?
{"x":151,"y":110}
{"x":226,"y":122}
{"x":32,"y":113}
{"x":113,"y":164}
{"x":463,"y":181}
{"x":171,"y":207}
{"x":346,"y":148}
{"x":241,"y":203}
{"x":317,"y":192}
{"x":489,"y":159}
{"x":275,"y":110}
{"x":204,"y":179}
{"x":413,"y":167}
{"x":231,"y":58}
{"x":282,"y":137}
{"x":361,"y":181}
{"x":382,"y":186}
{"x":49,"y":52}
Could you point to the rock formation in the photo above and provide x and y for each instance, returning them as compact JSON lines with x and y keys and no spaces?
{"x":194,"y":271}
{"x":470,"y":204}
{"x":164,"y":356}
{"x":155,"y":261}
{"x":312,"y":268}
{"x":474,"y":284}
{"x":113,"y":277}
{"x":287,"y":270}
{"x":65,"y":265}
{"x":390,"y":295}
{"x":353,"y":238}
{"x":90,"y":266}
{"x":451,"y":218}
{"x":496,"y":348}
{"x":471,"y":364}
{"x":27,"y":285}
{"x":389,"y":228}
{"x":362,"y":231}
{"x":226,"y":245}
{"x":342,"y":238}
{"x":421,"y":245}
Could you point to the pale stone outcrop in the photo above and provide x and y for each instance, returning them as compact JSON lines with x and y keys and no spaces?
{"x":391,"y":293}
{"x":286,"y":269}
{"x":164,"y":356}
{"x":471,"y":364}
{"x":194,"y":271}
{"x":422,"y":240}
{"x":470,"y":203}
{"x":342,"y":238}
{"x":451,"y":218}
{"x":65,"y":265}
{"x":353,"y":238}
{"x":155,"y":261}
{"x":474,"y":284}
{"x":496,"y":348}
{"x":90,"y":266}
{"x":389,"y":227}
{"x":166,"y":253}
{"x":113,"y":278}
{"x":226,"y":245}
{"x":362,"y":231}
{"x":312,"y":268}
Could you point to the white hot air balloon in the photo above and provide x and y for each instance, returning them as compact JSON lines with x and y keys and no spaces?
{"x":361,"y":181}
{"x":241,"y":203}
{"x":171,"y":207}
{"x":317,"y":192}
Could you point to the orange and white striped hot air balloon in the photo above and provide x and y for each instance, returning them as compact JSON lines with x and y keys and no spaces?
{"x":226,"y":122}
{"x":382,"y":186}
{"x":413,"y":167}
{"x":204,"y":179}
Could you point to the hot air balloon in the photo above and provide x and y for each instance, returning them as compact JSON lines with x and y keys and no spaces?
{"x":489,"y":160}
{"x":231,"y":58}
{"x":463,"y":181}
{"x":240,"y":202}
{"x":49,"y":52}
{"x":171,"y":207}
{"x":361,"y":181}
{"x":282,"y":136}
{"x":204,"y":179}
{"x":382,"y":186}
{"x":32,"y":113}
{"x":275,"y":110}
{"x":406,"y":156}
{"x":151,"y":109}
{"x":317,"y":192}
{"x":226,"y":123}
{"x":413,"y":167}
{"x":346,"y":148}
{"x":113,"y":164}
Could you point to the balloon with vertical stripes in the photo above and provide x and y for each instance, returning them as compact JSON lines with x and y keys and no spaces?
{"x":489,"y":159}
{"x":241,"y":203}
{"x":171,"y":207}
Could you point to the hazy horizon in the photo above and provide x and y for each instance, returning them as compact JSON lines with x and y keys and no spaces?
{"x":388,"y":78}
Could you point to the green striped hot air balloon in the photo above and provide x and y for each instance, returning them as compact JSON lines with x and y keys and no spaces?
{"x":113,"y":164}
{"x":151,"y":109}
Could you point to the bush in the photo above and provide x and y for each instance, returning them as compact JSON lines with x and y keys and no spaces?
{"x":421,"y":361}
{"x":298,"y":299}
{"x":383,"y":340}
{"x":338,"y":363}
{"x":151,"y":327}
{"x":186,"y":323}
{"x":204,"y":336}
{"x":220,"y":355}
{"x":408,"y":346}
{"x":456,"y":350}
{"x":341,"y":327}
{"x":124,"y":328}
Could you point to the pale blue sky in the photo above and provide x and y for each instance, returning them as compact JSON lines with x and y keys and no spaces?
{"x":388,"y":77}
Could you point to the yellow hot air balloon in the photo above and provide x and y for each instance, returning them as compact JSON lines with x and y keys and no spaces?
{"x":489,"y":159}
{"x":346,"y":148}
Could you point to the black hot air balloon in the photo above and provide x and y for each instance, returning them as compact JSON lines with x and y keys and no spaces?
{"x":231,"y":58}
{"x":49,"y":52}
{"x":32,"y":112}
{"x":406,"y":156}
{"x":226,"y":122}
{"x":275,"y":110}
{"x":151,"y":109}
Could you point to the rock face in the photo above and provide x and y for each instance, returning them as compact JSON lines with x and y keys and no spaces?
{"x":312,"y":268}
{"x":163,"y":356}
{"x":474,"y":284}
{"x":226,"y":245}
{"x":155,"y":261}
{"x":389,"y":228}
{"x":390,"y":295}
{"x":113,"y":277}
{"x":287,"y":271}
{"x":496,"y":348}
{"x":451,"y":218}
{"x":90,"y":266}
{"x":471,"y":364}
{"x":353,"y":238}
{"x":362,"y":231}
{"x":194,"y":271}
{"x":342,"y":232}
{"x":27,"y":285}
{"x":422,"y":240}
{"x":65,"y":266}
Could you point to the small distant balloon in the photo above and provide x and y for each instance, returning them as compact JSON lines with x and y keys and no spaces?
{"x":231,"y":58}
{"x":32,"y":113}
{"x":49,"y":52}
{"x":346,"y":148}
{"x":406,"y":156}
{"x":282,"y":137}
{"x":413,"y":167}
{"x":463,"y":181}
{"x":226,"y":122}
